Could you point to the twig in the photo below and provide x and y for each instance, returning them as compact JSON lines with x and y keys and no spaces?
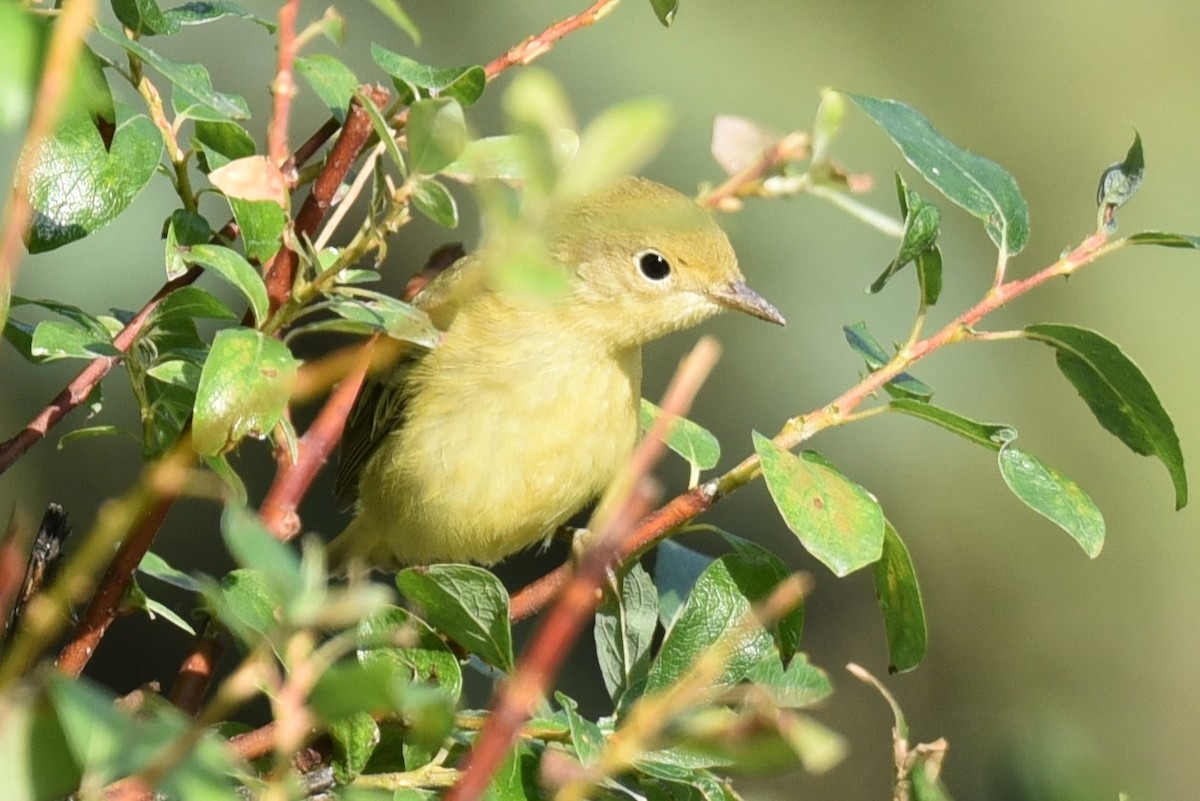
{"x":540,"y":44}
{"x":58,"y":72}
{"x":687,"y":506}
{"x":628,"y":501}
{"x":283,"y":88}
{"x":106,"y":602}
{"x":744,"y":179}
{"x":195,"y":674}
{"x":80,"y":388}
{"x":278,"y":510}
{"x":281,"y":273}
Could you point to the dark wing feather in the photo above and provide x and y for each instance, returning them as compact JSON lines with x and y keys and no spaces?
{"x":378,"y":410}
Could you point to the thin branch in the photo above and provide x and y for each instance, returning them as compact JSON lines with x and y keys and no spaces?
{"x":194,"y":676}
{"x":628,"y":500}
{"x":281,"y":273}
{"x":80,"y":388}
{"x":687,"y":506}
{"x":58,"y":72}
{"x":283,"y":88}
{"x":536,"y":46}
{"x":278,"y":510}
{"x":106,"y":602}
{"x":724,"y":196}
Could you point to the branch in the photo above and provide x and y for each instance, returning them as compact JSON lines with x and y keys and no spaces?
{"x":630,"y":499}
{"x":106,"y":602}
{"x":281,"y":273}
{"x":80,"y":388}
{"x":536,"y":46}
{"x":687,"y":506}
{"x":278,"y":510}
{"x":283,"y":88}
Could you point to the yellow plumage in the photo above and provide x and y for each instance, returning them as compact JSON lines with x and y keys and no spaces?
{"x":528,"y":407}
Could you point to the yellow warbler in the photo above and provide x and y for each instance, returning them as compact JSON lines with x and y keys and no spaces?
{"x":528,"y":406}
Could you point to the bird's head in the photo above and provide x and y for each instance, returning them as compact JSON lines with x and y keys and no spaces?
{"x":646,"y":260}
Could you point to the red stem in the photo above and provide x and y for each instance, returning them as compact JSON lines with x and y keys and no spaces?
{"x":278,"y":510}
{"x":283,"y":88}
{"x":106,"y":602}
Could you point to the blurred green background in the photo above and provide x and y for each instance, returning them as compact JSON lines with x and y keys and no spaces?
{"x":1051,"y":676}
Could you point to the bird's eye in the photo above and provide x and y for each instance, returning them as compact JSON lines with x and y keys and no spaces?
{"x":653,"y":265}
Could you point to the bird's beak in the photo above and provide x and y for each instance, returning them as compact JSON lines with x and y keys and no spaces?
{"x":739,"y":297}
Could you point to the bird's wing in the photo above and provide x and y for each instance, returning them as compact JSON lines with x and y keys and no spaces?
{"x":379,"y":408}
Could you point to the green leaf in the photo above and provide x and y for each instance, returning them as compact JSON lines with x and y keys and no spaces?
{"x":144,"y":18}
{"x":719,"y":602}
{"x":399,"y":17}
{"x":245,"y":603}
{"x":665,"y":10}
{"x":108,"y":743}
{"x":464,"y":84}
{"x":201,"y":12}
{"x":989,"y":435}
{"x":155,"y":566}
{"x":410,"y":646}
{"x":866,"y":345}
{"x":586,"y":738}
{"x":244,"y":389}
{"x":617,"y":142}
{"x":331,"y":80}
{"x":354,"y":740}
{"x":397,"y":319}
{"x":921,"y":220}
{"x":1119,"y":395}
{"x":57,"y":339}
{"x":219,"y":143}
{"x":978,"y":185}
{"x":770,"y":567}
{"x":468,"y":604}
{"x":236,"y":270}
{"x":1054,"y":496}
{"x":261,"y":223}
{"x":1121,"y":181}
{"x":77,"y":186}
{"x":900,"y":601}
{"x":255,"y":548}
{"x":624,"y":632}
{"x":798,"y":685}
{"x":349,"y":687}
{"x":836,"y":520}
{"x":87,"y":432}
{"x":437,"y":134}
{"x":135,"y":599}
{"x":19,"y":50}
{"x":35,"y":758}
{"x":1165,"y":239}
{"x":434,"y":201}
{"x":192,"y":302}
{"x":689,"y":440}
{"x":508,"y":158}
{"x":183,"y":228}
{"x":383,"y":130}
{"x":192,"y":79}
{"x":676,"y":570}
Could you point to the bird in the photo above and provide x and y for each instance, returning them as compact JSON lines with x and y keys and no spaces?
{"x":528,"y":405}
